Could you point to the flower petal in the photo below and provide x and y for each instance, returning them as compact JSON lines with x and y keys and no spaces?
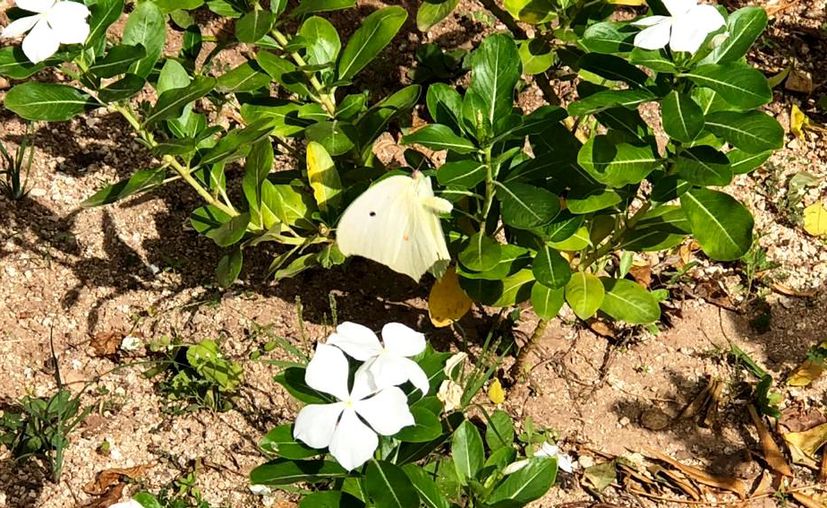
{"x":316,"y":424}
{"x":328,"y":372}
{"x":353,"y":442}
{"x":358,"y":341}
{"x":654,"y":37}
{"x":650,"y":20}
{"x":68,"y":20}
{"x":19,"y":27}
{"x":38,"y":6}
{"x":690,"y":31}
{"x":386,"y":412}
{"x":41,"y":43}
{"x":401,"y":340}
{"x":678,"y":7}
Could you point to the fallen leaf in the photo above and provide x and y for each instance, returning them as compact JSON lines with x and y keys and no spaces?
{"x":600,"y":476}
{"x":769,"y":449}
{"x":109,"y":477}
{"x":815,"y":219}
{"x":798,"y":122}
{"x":765,"y":485}
{"x":812,"y":368}
{"x":804,"y":445}
{"x":726,"y":483}
{"x":642,"y":274}
{"x":496,"y":393}
{"x":448,"y":302}
{"x":107,"y":343}
{"x":797,"y":418}
{"x":807,"y":501}
{"x":601,"y":328}
{"x":107,"y":498}
{"x":788,"y":291}
{"x":822,"y":472}
{"x":799,"y":81}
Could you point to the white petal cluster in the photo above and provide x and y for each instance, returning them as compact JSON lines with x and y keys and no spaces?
{"x":685,"y":29}
{"x":374,"y":405}
{"x":53,"y":23}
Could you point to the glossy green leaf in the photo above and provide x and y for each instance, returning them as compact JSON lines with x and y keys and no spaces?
{"x":721,"y":224}
{"x":244,"y":78}
{"x":607,"y":99}
{"x":744,"y":26}
{"x":146,"y":26}
{"x":321,"y":40}
{"x":584,"y":294}
{"x":703,"y":165}
{"x":742,"y":162}
{"x":653,"y":59}
{"x":608,"y":37}
{"x":546,"y":301}
{"x":330,"y":499}
{"x":526,"y":485}
{"x":312,"y":6}
{"x":15,"y":65}
{"x":287,"y":472}
{"x":283,"y":72}
{"x":499,"y":431}
{"x":467,"y":451}
{"x":526,"y":206}
{"x":122,"y":89}
{"x":495,"y":71}
{"x":140,"y":181}
{"x":429,"y":492}
{"x":616,"y":164}
{"x":254,"y":25}
{"x":48,"y":102}
{"x":537,"y":56}
{"x":464,"y":173}
{"x":389,"y":487}
{"x":753,"y":131}
{"x":683,"y":119}
{"x":427,"y":427}
{"x":738,"y":83}
{"x":432,"y":12}
{"x":117,"y":61}
{"x":613,"y":68}
{"x":335,"y":136}
{"x":280,"y":442}
{"x":550,"y":268}
{"x":172,"y":102}
{"x":444,"y":105}
{"x":230,"y":232}
{"x":481,"y":254}
{"x":439,"y":137}
{"x":103,"y":14}
{"x":229,"y":268}
{"x":376,"y":32}
{"x":628,"y":301}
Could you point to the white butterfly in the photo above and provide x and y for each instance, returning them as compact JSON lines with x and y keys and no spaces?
{"x":396,"y":222}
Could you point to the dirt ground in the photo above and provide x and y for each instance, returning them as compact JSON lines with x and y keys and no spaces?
{"x":137,"y":269}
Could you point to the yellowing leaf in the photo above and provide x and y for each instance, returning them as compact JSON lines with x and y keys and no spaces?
{"x":798,"y":122}
{"x":811,"y":368}
{"x":804,"y":445}
{"x":815,"y":219}
{"x":323,"y":177}
{"x":447,"y":302}
{"x":496,"y":393}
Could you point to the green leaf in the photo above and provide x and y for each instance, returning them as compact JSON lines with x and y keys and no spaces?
{"x":230,"y":232}
{"x":467,"y":451}
{"x":683,"y":119}
{"x":287,"y":472}
{"x":123,"y":89}
{"x":495,"y":71}
{"x":46,"y":101}
{"x":281,"y":443}
{"x":15,"y":65}
{"x":537,"y":56}
{"x":244,"y":78}
{"x":376,"y":32}
{"x":432,"y":12}
{"x":481,"y":254}
{"x":608,"y":37}
{"x":584,"y":294}
{"x":444,"y":105}
{"x":499,"y":433}
{"x":254,"y":25}
{"x":147,"y":500}
{"x":429,"y":492}
{"x":283,"y":72}
{"x":146,"y":26}
{"x":742,"y":162}
{"x":389,"y":487}
{"x":530,"y":11}
{"x":613,"y":68}
{"x":313,"y":6}
{"x":752,"y":132}
{"x":526,"y":206}
{"x":628,"y":301}
{"x":172,"y":102}
{"x":744,"y":26}
{"x":653,"y":59}
{"x":439,"y":137}
{"x":616,"y":164}
{"x":228,"y":268}
{"x":529,"y":483}
{"x":584,"y":201}
{"x":722,"y":225}
{"x":140,"y":181}
{"x":736,"y":82}
{"x":373,"y":122}
{"x":330,"y":499}
{"x":608,"y":99}
{"x":322,"y":43}
{"x":323,"y":177}
{"x":550,"y":268}
{"x":237,"y":142}
{"x":335,"y":136}
{"x":703,"y":165}
{"x":104,"y":13}
{"x":292,"y":379}
{"x":427,"y":427}
{"x":546,"y":301}
{"x":117,"y":61}
{"x":463,"y":173}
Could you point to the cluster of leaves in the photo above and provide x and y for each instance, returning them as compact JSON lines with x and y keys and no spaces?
{"x":182,"y":493}
{"x":39,"y":428}
{"x":196,"y":375}
{"x":441,"y":461}
{"x":15,"y":168}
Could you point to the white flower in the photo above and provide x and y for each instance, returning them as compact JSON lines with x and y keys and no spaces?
{"x":55,"y":22}
{"x":548,"y":450}
{"x":338,"y":426}
{"x":128,"y":504}
{"x":450,"y":394}
{"x":131,"y":343}
{"x":387,"y":365}
{"x":260,"y":490}
{"x":685,"y":30}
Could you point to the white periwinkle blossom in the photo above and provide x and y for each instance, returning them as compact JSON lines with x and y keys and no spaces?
{"x":53,"y":23}
{"x":388,"y":364}
{"x":131,"y":503}
{"x":547,"y":450}
{"x":339,"y":426}
{"x":685,"y":29}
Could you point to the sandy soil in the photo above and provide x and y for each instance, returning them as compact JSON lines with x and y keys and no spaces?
{"x":136,"y":268}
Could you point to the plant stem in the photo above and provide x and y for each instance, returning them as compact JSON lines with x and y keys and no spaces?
{"x":519,"y":370}
{"x":504,"y":18}
{"x":614,"y":240}
{"x":489,"y":189}
{"x":183,"y":171}
{"x":325,"y":97}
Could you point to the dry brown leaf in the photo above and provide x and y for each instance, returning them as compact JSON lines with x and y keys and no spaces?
{"x":697,"y":404}
{"x":797,"y":418}
{"x":799,"y":81}
{"x":601,"y":328}
{"x":765,"y":485}
{"x":804,"y":445}
{"x":788,"y":291}
{"x":822,"y":472}
{"x":109,"y":477}
{"x":107,"y":498}
{"x":642,"y":274}
{"x":107,"y":343}
{"x":715,"y":392}
{"x":721,"y":482}
{"x":682,"y":483}
{"x":772,"y":454}
{"x":807,"y":501}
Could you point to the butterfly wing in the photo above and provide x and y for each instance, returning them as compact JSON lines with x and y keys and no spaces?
{"x":390,"y":224}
